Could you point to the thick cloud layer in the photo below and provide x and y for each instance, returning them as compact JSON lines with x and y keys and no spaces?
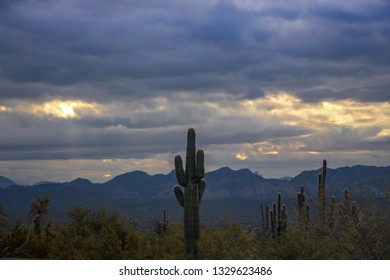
{"x":265,"y":84}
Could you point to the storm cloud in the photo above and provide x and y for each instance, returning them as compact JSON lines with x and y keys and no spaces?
{"x":265,"y":84}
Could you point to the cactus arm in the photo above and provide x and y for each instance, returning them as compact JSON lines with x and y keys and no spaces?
{"x":201,"y":188}
{"x":199,"y":168}
{"x":180,"y":174}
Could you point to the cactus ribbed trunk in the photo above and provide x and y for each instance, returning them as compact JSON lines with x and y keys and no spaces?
{"x":272,"y":214}
{"x":267,"y":217}
{"x":191,"y":220}
{"x":262,"y":215}
{"x":332,"y":212}
{"x":301,"y":206}
{"x":191,"y":179}
{"x":322,"y":195}
{"x":347,"y":198}
{"x":279,"y":212}
{"x":283,"y":220}
{"x":307,"y":212}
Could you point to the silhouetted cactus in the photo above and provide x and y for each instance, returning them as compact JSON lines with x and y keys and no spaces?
{"x":332,"y":212}
{"x":301,"y":206}
{"x":273,"y":215}
{"x":279,"y":205}
{"x":262,"y":215}
{"x":307,"y":212}
{"x":282,"y":216}
{"x":38,"y":209}
{"x":354,"y":212}
{"x":350,"y":212}
{"x":267,"y":217}
{"x":276,"y":217}
{"x":347,"y":198}
{"x":161,"y":227}
{"x":165,"y":220}
{"x":191,"y":179}
{"x":282,"y":223}
{"x":322,"y":195}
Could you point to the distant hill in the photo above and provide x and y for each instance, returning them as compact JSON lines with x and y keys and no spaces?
{"x":232,"y":192}
{"x":360,"y":180}
{"x":5,"y":182}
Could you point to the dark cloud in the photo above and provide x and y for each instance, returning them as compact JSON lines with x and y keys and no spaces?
{"x":200,"y":59}
{"x":162,"y":45}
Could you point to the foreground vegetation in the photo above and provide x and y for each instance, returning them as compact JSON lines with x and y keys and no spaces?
{"x":110,"y":235}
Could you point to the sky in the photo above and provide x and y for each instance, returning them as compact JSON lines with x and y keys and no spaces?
{"x":97,"y":88}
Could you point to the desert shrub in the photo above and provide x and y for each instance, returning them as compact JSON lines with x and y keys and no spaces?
{"x":109,"y":235}
{"x":229,"y":241}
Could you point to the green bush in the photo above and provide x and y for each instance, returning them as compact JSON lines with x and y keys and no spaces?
{"x":110,"y":235}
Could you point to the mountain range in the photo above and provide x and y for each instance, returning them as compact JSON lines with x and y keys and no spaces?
{"x":235,"y":193}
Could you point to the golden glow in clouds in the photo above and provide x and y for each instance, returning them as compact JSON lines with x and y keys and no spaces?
{"x":66,"y":109}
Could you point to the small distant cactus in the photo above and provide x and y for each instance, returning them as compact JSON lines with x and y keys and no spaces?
{"x":301,"y":206}
{"x":276,"y":217}
{"x":165,"y":222}
{"x":347,"y":198}
{"x":282,"y":216}
{"x":354,"y":211}
{"x":262,"y":215}
{"x":282,"y":226}
{"x":161,"y":227}
{"x":350,"y":211}
{"x":192,"y":180}
{"x":273,"y":214}
{"x":322,"y":195}
{"x":332,"y":212}
{"x":307,"y":217}
{"x":303,"y":209}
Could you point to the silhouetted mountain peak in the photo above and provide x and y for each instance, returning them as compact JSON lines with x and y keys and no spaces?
{"x":245,"y":172}
{"x":5,"y":182}
{"x":81,"y":181}
{"x":222,"y":171}
{"x":133,"y":176}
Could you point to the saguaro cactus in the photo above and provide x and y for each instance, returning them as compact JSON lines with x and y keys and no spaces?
{"x":307,"y":218}
{"x":348,"y":210}
{"x":273,"y":216}
{"x":322,"y":195}
{"x":347,"y":198}
{"x":332,"y":212}
{"x":191,"y":179}
{"x":282,"y":216}
{"x":262,"y":215}
{"x":267,"y":217}
{"x":282,"y":226}
{"x":301,"y":206}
